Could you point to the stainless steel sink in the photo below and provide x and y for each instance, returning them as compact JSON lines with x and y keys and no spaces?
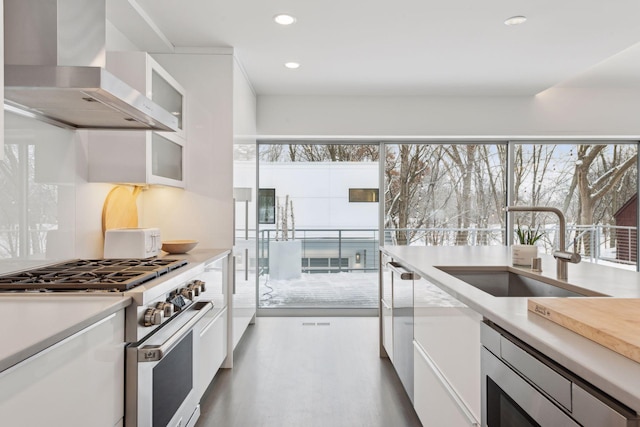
{"x":505,"y":283}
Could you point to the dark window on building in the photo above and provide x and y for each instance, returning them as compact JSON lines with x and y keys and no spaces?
{"x":267,"y":206}
{"x":366,"y":195}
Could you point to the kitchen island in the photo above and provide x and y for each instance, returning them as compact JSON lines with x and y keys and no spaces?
{"x":611,"y":372}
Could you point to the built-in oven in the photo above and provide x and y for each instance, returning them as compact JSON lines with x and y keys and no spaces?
{"x":160,"y":373}
{"x":521,"y":387}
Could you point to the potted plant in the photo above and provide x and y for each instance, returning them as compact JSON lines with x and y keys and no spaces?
{"x":285,"y":252}
{"x":525,"y":250}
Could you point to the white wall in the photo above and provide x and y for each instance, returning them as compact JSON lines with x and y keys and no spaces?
{"x":219,"y":101}
{"x":244,"y":107}
{"x":557,"y":112}
{"x":320,"y":192}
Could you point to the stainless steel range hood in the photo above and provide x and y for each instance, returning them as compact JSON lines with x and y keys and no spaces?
{"x":54,"y":69}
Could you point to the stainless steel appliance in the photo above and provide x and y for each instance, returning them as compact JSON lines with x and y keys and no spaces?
{"x":402,"y":284}
{"x":160,"y":373}
{"x":521,"y":387}
{"x":52,"y":77}
{"x":169,"y":301}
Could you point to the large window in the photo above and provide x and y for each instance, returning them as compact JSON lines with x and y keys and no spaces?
{"x":445,"y":194}
{"x":592,"y":184}
{"x":435,"y":194}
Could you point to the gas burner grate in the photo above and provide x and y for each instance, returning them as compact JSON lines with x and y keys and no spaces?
{"x":90,"y":275}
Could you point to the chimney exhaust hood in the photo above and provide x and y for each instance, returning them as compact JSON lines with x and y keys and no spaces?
{"x":54,"y":69}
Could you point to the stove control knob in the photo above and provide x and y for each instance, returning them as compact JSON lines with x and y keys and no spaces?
{"x":201,"y":284}
{"x":153,"y":316}
{"x":196,"y":288}
{"x":188,"y":293}
{"x":166,"y":307}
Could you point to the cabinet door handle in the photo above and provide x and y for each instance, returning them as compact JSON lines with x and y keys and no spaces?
{"x":384,"y":303}
{"x":402,"y":272}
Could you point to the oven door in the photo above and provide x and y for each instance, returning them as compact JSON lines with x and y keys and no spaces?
{"x":160,"y":374}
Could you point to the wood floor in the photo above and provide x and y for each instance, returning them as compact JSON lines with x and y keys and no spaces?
{"x":308,"y":372}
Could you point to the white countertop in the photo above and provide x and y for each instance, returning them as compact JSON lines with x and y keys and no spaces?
{"x":33,"y":322}
{"x":607,"y":370}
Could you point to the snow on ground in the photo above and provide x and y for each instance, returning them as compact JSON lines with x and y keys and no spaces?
{"x":336,"y":290}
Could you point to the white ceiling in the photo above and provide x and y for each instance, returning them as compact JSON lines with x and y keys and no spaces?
{"x":408,"y":47}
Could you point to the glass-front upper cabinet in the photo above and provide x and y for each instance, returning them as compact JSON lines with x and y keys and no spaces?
{"x":136,"y":157}
{"x":142,"y":157}
{"x":167,"y":95}
{"x":144,"y":74}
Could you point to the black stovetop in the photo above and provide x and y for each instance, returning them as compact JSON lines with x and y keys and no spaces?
{"x":89,"y":274}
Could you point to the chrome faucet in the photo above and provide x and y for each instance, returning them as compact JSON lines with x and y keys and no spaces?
{"x":562,"y":256}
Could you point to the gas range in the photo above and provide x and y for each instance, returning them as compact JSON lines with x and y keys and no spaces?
{"x":160,"y":288}
{"x":90,"y":275}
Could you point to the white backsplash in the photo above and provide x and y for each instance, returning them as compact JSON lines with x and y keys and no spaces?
{"x":48,"y":211}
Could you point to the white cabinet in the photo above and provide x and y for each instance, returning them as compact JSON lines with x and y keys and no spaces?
{"x":142,"y":157}
{"x":448,"y":332}
{"x":434,"y":402}
{"x":143,"y":73}
{"x":386,"y":308}
{"x":244,"y":303}
{"x":212,"y":347}
{"x":136,"y":158}
{"x":77,"y":382}
{"x":387,"y":327}
{"x":212,"y":330}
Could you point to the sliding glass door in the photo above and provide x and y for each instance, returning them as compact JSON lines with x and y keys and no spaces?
{"x":318,"y":225}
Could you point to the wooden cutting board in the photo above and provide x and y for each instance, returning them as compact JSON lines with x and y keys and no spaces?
{"x":120,"y":209}
{"x":611,"y":322}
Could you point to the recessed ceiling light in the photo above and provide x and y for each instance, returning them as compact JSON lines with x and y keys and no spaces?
{"x":516,"y":20}
{"x":284,"y":19}
{"x":292,"y":65}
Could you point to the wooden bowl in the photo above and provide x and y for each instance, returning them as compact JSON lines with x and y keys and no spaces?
{"x":178,"y":246}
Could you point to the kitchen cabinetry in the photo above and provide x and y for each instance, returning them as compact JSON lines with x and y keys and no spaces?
{"x":244,"y":256}
{"x":142,"y":157}
{"x":386,"y":309}
{"x":244,"y":303}
{"x":76,"y":382}
{"x":447,"y":357}
{"x":434,"y":401}
{"x":136,"y":157}
{"x":213,"y":327}
{"x":213,"y":348}
{"x":143,"y":73}
{"x":402,"y":279}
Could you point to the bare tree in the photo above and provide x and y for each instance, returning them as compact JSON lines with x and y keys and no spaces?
{"x":593,"y":183}
{"x":461,"y":169}
{"x":405,"y":171}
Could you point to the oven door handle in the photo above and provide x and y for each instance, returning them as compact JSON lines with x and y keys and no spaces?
{"x":154,"y":353}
